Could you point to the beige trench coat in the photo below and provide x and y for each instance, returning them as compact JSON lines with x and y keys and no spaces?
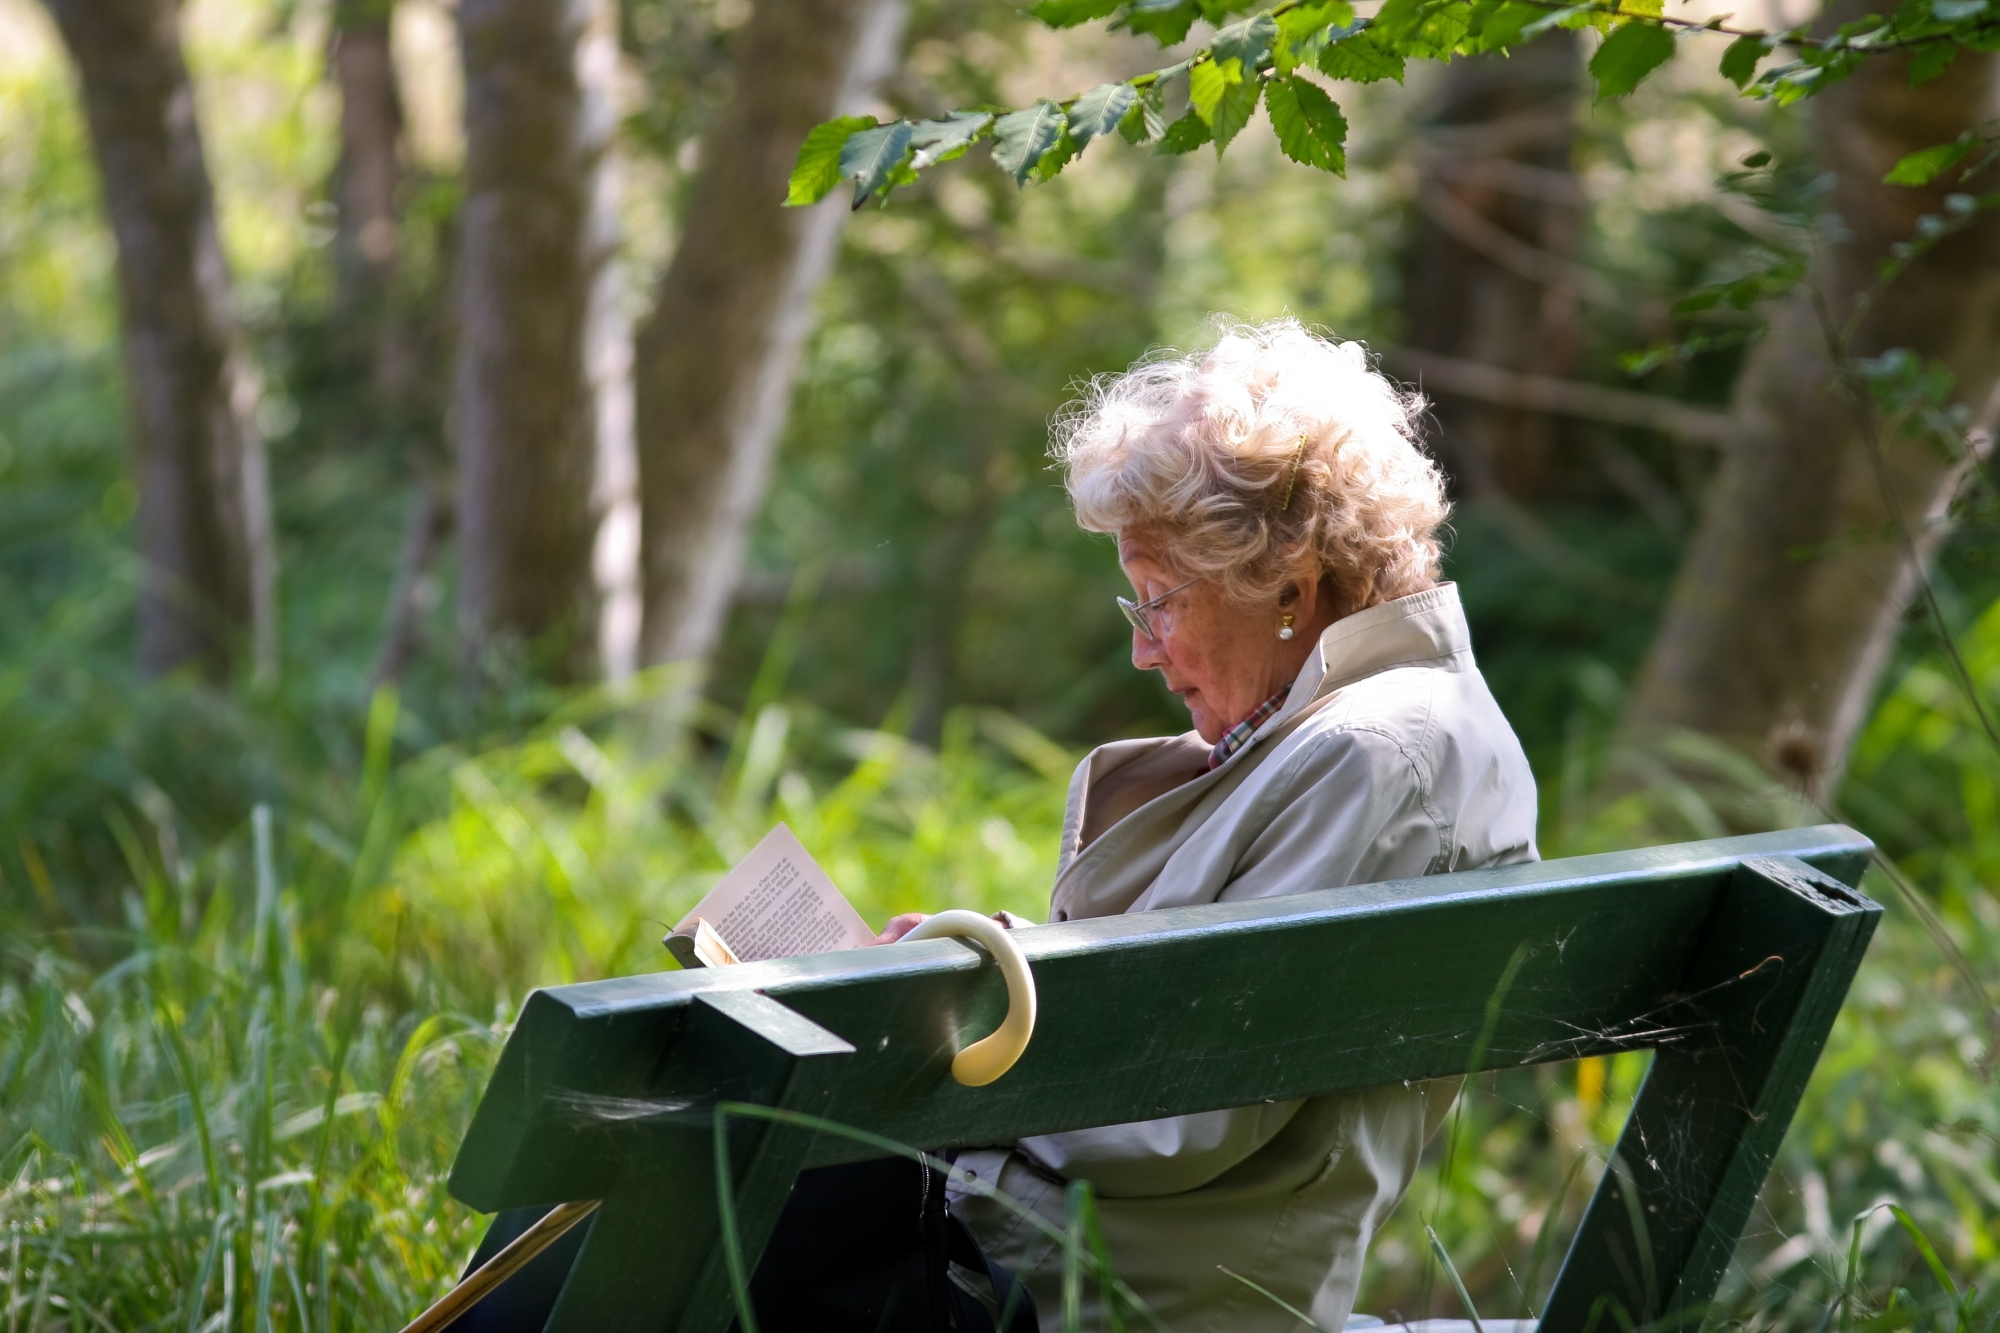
{"x":1389,"y":759}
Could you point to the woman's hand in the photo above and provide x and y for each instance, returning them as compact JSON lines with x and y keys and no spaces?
{"x":909,"y":921}
{"x":900,"y":926}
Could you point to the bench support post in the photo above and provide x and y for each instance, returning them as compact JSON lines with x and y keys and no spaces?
{"x":637,"y":1269}
{"x":1735,"y":1051}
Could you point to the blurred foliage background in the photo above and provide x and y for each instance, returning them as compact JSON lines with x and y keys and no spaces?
{"x":263,"y":938}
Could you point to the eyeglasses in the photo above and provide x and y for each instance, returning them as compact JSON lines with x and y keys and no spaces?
{"x":1138,"y":612}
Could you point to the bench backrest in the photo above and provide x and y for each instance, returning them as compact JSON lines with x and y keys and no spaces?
{"x":1728,"y":958}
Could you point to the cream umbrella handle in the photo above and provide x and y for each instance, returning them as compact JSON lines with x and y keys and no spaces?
{"x":994,"y":1054}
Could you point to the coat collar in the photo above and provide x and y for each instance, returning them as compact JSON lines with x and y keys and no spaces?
{"x":1425,"y":628}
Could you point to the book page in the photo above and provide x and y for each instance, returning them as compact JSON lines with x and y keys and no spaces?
{"x":778,"y":903}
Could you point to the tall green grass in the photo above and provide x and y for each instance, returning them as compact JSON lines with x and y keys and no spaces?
{"x":235,"y":1106}
{"x":229,"y":1099}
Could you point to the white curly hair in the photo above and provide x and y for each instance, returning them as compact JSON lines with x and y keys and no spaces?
{"x":1274,"y":455}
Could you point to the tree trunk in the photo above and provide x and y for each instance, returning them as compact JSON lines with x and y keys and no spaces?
{"x":368,"y":184}
{"x":535,"y":278}
{"x":370,"y":173}
{"x":204,"y":501}
{"x":716,"y":357}
{"x":1789,"y":597}
{"x":977,"y":456}
{"x":1491,"y":276}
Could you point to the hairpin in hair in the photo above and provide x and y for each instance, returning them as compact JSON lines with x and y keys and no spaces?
{"x":1292,"y":479}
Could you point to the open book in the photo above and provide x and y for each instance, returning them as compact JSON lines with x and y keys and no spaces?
{"x":776,"y":903}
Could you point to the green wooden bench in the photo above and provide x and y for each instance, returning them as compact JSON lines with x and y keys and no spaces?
{"x":1728,"y":959}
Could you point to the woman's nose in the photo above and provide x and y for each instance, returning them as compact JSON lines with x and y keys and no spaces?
{"x":1147,"y":653}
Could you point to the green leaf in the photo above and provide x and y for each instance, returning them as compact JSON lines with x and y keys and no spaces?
{"x":1302,"y":32}
{"x":1057,"y":158}
{"x":1307,"y":18}
{"x":1499,"y":26}
{"x":1238,"y":105}
{"x":1952,"y":11}
{"x":1185,"y":135}
{"x":1361,"y":58}
{"x":1147,"y":120}
{"x":1928,"y":61}
{"x":1310,"y":128}
{"x":943,"y":140}
{"x":1747,"y":290}
{"x":1022,"y":138}
{"x":817,"y":170}
{"x":1606,"y":18}
{"x":1927,"y":164}
{"x":1098,"y":111}
{"x":1575,"y":16}
{"x":1398,"y":20}
{"x":1425,"y":29}
{"x":1069,"y":13}
{"x":1629,"y":55}
{"x":1223,"y":98}
{"x":870,"y":155}
{"x":1208,"y":82}
{"x":1739,"y":62}
{"x":1787,"y":83}
{"x":1248,"y":43}
{"x":1165,"y":21}
{"x":1869,"y":29}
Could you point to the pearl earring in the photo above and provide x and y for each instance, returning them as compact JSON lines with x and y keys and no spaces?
{"x":1285,"y":625}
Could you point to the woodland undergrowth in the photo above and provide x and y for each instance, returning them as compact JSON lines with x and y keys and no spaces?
{"x":233,"y":1073}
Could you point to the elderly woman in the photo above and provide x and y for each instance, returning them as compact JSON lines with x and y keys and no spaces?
{"x":1278,"y":523}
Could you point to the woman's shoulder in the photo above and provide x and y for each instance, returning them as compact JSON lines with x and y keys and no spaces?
{"x":1416,"y":743}
{"x":1419,"y":711}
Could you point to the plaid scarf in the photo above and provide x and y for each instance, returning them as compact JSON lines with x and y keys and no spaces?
{"x":1232,"y":739}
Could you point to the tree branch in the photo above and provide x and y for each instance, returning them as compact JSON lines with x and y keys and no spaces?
{"x":1514,"y":254}
{"x":1545,"y":393}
